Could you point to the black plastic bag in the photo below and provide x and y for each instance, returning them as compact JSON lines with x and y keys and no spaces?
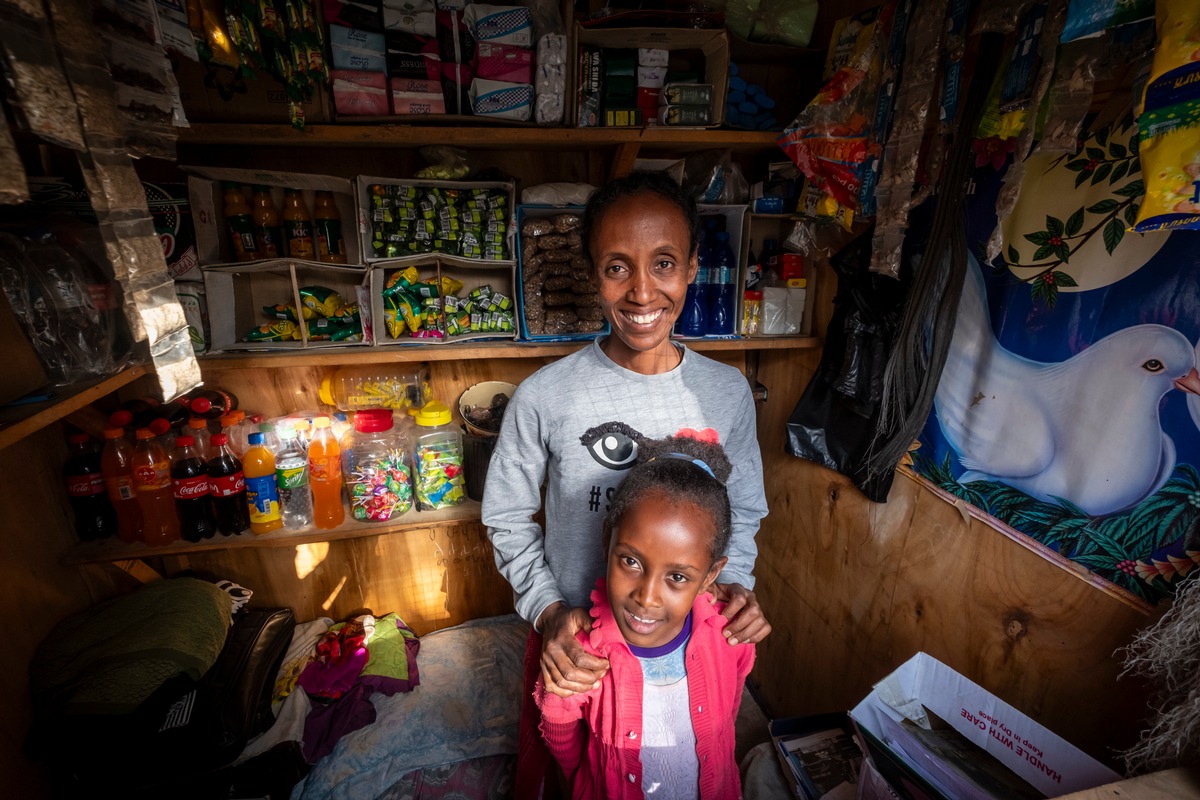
{"x":835,"y":421}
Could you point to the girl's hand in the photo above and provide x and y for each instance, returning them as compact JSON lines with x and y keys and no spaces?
{"x":567,"y":668}
{"x":746,"y":623}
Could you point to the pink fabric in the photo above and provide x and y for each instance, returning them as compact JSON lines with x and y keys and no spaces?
{"x":596,"y":736}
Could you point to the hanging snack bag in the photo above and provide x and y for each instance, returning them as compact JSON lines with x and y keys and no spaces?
{"x":1169,"y":148}
{"x":1175,"y":74}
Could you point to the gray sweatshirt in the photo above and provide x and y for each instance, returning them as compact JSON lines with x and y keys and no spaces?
{"x":569,"y":425}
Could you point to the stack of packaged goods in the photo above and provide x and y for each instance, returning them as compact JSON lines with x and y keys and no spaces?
{"x":503,"y":83}
{"x":412,"y":220}
{"x":325,"y":315}
{"x":433,"y":309}
{"x":559,"y":297}
{"x":414,"y":57}
{"x":359,"y":79}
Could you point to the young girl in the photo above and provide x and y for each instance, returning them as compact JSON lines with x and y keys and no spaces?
{"x":661,"y":722}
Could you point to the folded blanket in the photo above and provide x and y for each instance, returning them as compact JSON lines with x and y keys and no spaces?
{"x":109,"y":658}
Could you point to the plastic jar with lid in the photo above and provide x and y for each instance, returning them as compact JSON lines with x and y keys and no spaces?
{"x":394,"y":386}
{"x":438,"y":456}
{"x":376,"y":467}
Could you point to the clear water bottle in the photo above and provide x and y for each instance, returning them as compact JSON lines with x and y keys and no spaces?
{"x":722,"y":307}
{"x":292,"y":479}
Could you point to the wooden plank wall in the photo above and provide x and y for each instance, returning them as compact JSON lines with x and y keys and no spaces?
{"x":854,"y":589}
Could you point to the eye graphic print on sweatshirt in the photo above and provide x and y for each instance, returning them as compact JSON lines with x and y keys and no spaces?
{"x":612,"y":445}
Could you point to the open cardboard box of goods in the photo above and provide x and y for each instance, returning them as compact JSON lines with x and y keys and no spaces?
{"x":213,"y":245}
{"x":574,"y":272}
{"x":238,"y":295}
{"x":924,"y":695}
{"x":391,"y":328}
{"x":381,"y":209}
{"x":685,"y":46}
{"x":216,"y":96}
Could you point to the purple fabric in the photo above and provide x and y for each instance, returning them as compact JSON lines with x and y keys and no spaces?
{"x":333,"y":679}
{"x":669,"y":647}
{"x":327,"y":723}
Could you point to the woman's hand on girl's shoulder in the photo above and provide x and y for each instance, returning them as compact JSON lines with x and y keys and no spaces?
{"x":745,"y":621}
{"x":567,"y":668}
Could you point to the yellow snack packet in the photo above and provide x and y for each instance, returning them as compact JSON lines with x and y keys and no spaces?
{"x":1169,"y":148}
{"x":279,"y":331}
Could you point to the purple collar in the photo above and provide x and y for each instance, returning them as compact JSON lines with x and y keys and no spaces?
{"x":669,"y":647}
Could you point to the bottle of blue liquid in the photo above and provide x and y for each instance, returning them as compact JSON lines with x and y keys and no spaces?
{"x":694,"y":319}
{"x":721,"y":309}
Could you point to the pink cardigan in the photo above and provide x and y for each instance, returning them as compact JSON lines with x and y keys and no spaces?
{"x":601,"y":756}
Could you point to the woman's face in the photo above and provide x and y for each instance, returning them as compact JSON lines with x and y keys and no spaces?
{"x":642,"y":261}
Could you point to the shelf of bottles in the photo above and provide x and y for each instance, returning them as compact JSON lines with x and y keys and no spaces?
{"x":109,"y":550}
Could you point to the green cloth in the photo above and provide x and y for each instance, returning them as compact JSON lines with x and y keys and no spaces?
{"x":388,"y":655}
{"x":111,"y":657}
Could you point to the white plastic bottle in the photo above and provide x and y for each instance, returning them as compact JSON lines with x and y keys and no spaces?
{"x":292,"y":478}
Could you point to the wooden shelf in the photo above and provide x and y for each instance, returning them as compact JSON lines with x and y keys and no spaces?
{"x":467,"y":351}
{"x":480,"y":137}
{"x":17,"y":422}
{"x":113,"y":550}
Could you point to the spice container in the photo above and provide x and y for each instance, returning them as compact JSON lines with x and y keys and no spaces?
{"x":375,"y":463}
{"x":438,"y":457}
{"x":396,"y":387}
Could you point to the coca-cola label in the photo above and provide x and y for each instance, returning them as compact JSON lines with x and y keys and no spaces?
{"x":190,"y":488}
{"x":227,"y":485}
{"x":85,"y":485}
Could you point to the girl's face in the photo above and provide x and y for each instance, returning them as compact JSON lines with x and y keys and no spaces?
{"x":641,"y":252}
{"x":658,"y":561}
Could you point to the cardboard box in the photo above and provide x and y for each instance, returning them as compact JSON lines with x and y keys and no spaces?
{"x":363,"y":193}
{"x":525,"y":213}
{"x":472,"y":274}
{"x":207,"y":200}
{"x":1036,"y":755}
{"x":215,"y":96}
{"x":237,"y":295}
{"x":360,"y":94}
{"x":712,"y":44}
{"x":826,"y":739}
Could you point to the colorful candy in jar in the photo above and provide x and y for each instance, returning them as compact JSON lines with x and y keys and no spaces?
{"x":380,"y":488}
{"x":439,"y":476}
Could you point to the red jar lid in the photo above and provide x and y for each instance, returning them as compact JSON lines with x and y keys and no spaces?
{"x":373,"y":420}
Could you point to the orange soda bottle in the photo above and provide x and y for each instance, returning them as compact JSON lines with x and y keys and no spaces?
{"x":241,"y":224}
{"x":262,"y":494}
{"x":325,"y":474}
{"x":331,"y":247}
{"x":267,"y":231}
{"x":116,"y":465}
{"x":152,"y":479}
{"x":297,"y":226}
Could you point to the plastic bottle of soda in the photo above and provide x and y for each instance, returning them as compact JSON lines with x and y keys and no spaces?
{"x":240,"y":222}
{"x":227,"y":484}
{"x":325,"y":469}
{"x":152,"y":479}
{"x":197,"y":428}
{"x":297,"y":226}
{"x":163,"y":434}
{"x":189,"y":483}
{"x":116,"y":464}
{"x":267,"y":233}
{"x":94,"y":514}
{"x":291,"y":472}
{"x":262,"y":495}
{"x":124,"y":420}
{"x":327,"y":222}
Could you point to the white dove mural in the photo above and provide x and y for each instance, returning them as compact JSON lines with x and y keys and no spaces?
{"x":1085,"y":430}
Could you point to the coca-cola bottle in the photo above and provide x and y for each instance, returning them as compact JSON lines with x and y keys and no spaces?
{"x":141,"y":409}
{"x":228,"y":487}
{"x":189,"y":482}
{"x":212,"y":403}
{"x":94,"y":514}
{"x":176,"y":413}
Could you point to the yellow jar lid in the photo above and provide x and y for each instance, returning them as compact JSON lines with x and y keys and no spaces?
{"x":433,"y":414}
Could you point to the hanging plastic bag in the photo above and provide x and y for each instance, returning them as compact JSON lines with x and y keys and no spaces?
{"x":834,"y":422}
{"x":787,"y":22}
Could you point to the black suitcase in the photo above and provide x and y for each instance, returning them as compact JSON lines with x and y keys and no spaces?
{"x":181,"y":741}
